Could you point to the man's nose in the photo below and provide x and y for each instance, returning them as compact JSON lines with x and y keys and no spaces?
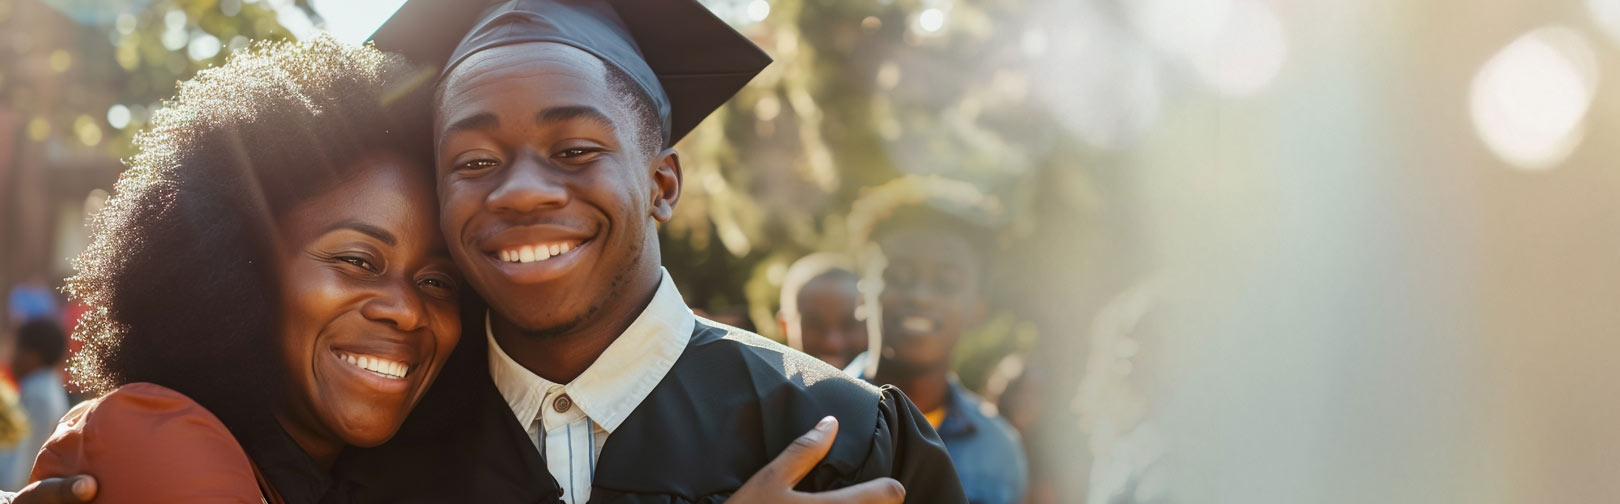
{"x":529,"y":186}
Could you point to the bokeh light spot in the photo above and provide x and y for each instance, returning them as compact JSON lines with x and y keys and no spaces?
{"x":175,"y":38}
{"x":767,"y":108}
{"x":118,"y":116}
{"x":175,"y":18}
{"x":871,"y":23}
{"x":87,"y":130}
{"x":125,"y":23}
{"x":1529,"y":101}
{"x":931,"y":20}
{"x":39,"y":128}
{"x":888,"y":75}
{"x":203,"y":46}
{"x":1247,"y":53}
{"x":61,"y":60}
{"x":758,"y":10}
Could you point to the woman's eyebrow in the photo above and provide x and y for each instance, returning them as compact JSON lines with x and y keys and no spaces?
{"x":370,"y":230}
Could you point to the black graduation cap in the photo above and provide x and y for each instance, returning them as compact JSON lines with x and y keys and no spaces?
{"x":689,"y":61}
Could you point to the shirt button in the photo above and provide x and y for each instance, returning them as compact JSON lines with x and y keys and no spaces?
{"x":562,"y":403}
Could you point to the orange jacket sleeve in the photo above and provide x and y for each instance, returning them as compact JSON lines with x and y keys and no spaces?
{"x":147,"y":443}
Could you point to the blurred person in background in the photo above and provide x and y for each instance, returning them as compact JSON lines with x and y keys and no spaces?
{"x":1128,"y":375}
{"x":31,"y":300}
{"x":14,"y":430}
{"x":1017,"y":387}
{"x":929,"y":258}
{"x":36,"y":362}
{"x":819,"y":300}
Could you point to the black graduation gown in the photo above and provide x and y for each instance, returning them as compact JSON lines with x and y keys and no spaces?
{"x":731,"y":403}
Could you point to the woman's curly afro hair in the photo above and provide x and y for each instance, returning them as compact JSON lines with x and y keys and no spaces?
{"x":179,"y":273}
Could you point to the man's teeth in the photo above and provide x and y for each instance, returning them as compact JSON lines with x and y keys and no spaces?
{"x":536,"y":252}
{"x":917,"y":324}
{"x":378,"y":365}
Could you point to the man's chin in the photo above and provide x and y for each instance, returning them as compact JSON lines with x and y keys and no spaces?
{"x":544,"y":325}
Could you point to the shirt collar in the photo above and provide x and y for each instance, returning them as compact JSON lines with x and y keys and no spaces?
{"x":620,"y":378}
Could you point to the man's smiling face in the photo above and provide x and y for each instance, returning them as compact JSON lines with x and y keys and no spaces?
{"x":549,"y":199}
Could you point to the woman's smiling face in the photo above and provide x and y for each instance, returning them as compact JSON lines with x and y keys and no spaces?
{"x":368,"y":305}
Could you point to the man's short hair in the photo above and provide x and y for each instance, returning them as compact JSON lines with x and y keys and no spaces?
{"x":650,"y":132}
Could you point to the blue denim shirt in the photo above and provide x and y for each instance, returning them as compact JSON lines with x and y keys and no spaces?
{"x":986,"y":450}
{"x":988,"y":455}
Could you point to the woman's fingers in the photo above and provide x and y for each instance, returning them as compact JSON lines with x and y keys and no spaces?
{"x":800,"y":457}
{"x":774,"y":482}
{"x":878,"y":491}
{"x":74,"y":490}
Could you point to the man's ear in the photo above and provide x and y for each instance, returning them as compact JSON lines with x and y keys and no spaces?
{"x":666,"y":186}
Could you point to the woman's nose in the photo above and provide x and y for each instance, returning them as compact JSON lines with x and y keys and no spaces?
{"x":400,"y":307}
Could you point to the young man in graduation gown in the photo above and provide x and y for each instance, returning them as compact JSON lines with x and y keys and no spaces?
{"x":589,"y":379}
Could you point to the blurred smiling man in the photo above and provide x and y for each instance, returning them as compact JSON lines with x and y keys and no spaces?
{"x":928,"y":246}
{"x":819,"y":300}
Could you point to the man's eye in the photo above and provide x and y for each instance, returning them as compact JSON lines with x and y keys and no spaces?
{"x":574,"y":153}
{"x":477,"y":164}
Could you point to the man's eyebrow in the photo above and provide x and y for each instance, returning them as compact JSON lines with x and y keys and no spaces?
{"x":573,"y":112}
{"x":370,"y":230}
{"x":479,"y":121}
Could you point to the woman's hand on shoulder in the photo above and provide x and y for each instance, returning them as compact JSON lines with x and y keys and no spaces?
{"x":774,"y":482}
{"x":71,"y":490}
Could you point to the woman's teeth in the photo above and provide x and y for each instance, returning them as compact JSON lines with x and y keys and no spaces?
{"x":380,"y":366}
{"x":536,"y":252}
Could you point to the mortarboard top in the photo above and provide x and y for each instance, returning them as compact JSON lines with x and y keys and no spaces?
{"x":689,"y":61}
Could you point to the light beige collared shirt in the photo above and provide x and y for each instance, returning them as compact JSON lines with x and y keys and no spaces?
{"x":569,"y":423}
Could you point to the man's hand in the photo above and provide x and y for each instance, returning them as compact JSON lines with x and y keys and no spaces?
{"x":774,"y":483}
{"x":75,"y":490}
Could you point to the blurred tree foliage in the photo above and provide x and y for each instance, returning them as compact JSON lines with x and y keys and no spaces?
{"x":66,"y":63}
{"x":864,"y":92}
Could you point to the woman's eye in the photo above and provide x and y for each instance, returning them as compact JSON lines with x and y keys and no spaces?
{"x":446,"y":286}
{"x":358,"y":262}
